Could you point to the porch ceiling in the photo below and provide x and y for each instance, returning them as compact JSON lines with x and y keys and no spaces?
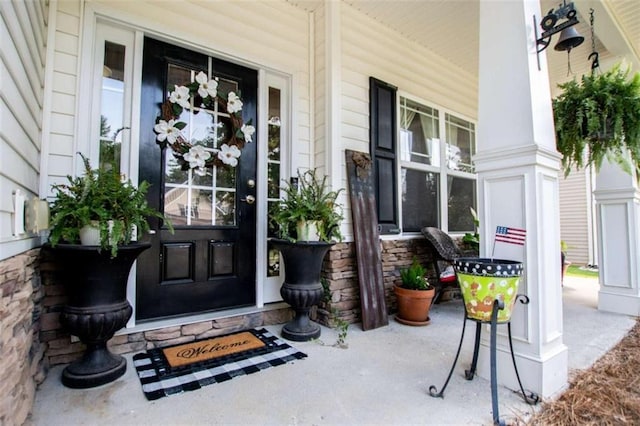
{"x":450,"y":29}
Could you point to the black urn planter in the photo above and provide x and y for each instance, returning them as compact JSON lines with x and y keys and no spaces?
{"x":301,"y":288}
{"x":97,"y":307}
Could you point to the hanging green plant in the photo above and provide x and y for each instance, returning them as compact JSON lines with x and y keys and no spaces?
{"x":598,"y":118}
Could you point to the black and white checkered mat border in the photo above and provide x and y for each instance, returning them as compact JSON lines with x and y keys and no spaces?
{"x":158,"y":379}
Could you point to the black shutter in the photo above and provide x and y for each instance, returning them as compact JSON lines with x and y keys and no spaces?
{"x":382,"y":125}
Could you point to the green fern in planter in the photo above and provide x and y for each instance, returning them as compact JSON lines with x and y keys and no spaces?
{"x":100,"y":196}
{"x":598,"y":118}
{"x":310,"y":200}
{"x":413,"y":277}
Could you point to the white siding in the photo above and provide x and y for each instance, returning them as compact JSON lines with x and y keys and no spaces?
{"x":23,"y":31}
{"x":59,"y":140}
{"x":574,"y":215}
{"x":372,"y":50}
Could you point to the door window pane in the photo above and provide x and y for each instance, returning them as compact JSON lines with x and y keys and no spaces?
{"x":192,"y":199}
{"x":112,"y":108}
{"x":225,"y":207}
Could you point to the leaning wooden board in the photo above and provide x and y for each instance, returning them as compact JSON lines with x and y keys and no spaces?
{"x":367,"y":239}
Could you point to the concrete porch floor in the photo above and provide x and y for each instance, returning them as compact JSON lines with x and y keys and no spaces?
{"x":383,"y":377}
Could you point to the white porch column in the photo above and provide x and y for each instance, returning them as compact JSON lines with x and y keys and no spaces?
{"x":518,"y":167}
{"x":618,"y":215}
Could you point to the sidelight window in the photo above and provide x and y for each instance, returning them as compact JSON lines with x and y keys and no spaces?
{"x":274,"y":169}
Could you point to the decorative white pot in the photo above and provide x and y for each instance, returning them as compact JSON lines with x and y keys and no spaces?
{"x":90,"y":234}
{"x":308,"y":230}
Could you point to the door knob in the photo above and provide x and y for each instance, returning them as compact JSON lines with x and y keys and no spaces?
{"x":249,"y":200}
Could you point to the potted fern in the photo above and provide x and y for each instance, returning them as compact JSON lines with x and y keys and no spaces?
{"x":102,"y":200}
{"x":95,"y":276}
{"x":302,"y":250}
{"x":308,"y":211}
{"x":414,"y":295}
{"x":597,"y":118}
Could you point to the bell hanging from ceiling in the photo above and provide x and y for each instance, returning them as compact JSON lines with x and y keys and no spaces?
{"x":569,"y":38}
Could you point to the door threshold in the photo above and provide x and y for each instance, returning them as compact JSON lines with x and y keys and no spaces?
{"x":208,"y":316}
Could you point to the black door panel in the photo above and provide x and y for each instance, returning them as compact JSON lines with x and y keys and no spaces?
{"x":209,"y":262}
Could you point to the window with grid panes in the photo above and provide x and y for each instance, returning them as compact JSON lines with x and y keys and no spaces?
{"x":437,"y":180}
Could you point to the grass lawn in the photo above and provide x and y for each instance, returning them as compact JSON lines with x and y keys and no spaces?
{"x":577,"y":272}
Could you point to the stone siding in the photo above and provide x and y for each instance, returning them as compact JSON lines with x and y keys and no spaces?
{"x":21,"y":352}
{"x":340,"y":277}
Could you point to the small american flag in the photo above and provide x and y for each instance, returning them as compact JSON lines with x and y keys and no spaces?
{"x":510,"y":235}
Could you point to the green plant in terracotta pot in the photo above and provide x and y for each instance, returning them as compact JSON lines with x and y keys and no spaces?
{"x":414,"y":295}
{"x":598,"y":117}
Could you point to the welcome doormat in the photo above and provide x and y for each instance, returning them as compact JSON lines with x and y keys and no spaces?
{"x":186,"y":367}
{"x":203,"y":350}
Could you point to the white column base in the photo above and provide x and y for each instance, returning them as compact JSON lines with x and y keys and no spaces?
{"x":545,"y":376}
{"x":628,"y":304}
{"x":618,"y":219}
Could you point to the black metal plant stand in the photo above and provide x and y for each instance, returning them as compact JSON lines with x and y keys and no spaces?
{"x":530,"y":398}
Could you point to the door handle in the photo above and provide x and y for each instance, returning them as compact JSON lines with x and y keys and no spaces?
{"x":249,"y":200}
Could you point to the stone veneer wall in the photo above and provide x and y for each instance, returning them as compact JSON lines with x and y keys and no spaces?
{"x":21,"y":352}
{"x":340,"y":275}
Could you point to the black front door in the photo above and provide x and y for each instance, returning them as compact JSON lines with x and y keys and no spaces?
{"x":209,"y":262}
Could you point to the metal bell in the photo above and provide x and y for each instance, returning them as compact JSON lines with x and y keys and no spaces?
{"x":569,"y":38}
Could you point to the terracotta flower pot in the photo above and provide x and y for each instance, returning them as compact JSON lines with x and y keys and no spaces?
{"x":484,"y":280}
{"x":413,"y":305}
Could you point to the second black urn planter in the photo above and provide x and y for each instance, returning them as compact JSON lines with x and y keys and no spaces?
{"x":301,"y":288}
{"x":97,"y":307}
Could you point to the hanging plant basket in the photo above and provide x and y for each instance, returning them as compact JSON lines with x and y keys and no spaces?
{"x":597,"y":118}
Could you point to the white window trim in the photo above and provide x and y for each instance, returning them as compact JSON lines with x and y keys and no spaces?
{"x":97,"y":31}
{"x":441,"y":170}
{"x":268,"y":288}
